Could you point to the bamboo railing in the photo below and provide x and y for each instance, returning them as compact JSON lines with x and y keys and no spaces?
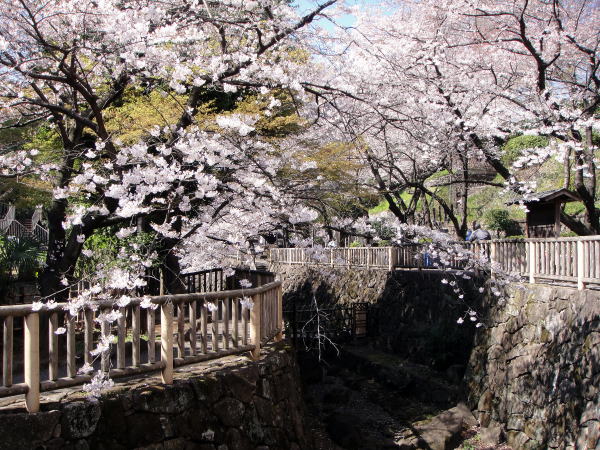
{"x":178,"y":329}
{"x":570,"y":259}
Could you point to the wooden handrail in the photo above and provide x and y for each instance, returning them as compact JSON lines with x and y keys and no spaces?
{"x":226,"y":327}
{"x":567,"y":259}
{"x":24,"y":309}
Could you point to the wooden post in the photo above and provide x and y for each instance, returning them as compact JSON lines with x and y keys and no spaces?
{"x":32,"y":362}
{"x":279,"y":335}
{"x":135,"y":335}
{"x":71,"y":350}
{"x":7,"y":355}
{"x":151,"y":335}
{"x":532,"y":260}
{"x":226,"y":323}
{"x":255,"y":326}
{"x":580,"y":264}
{"x":368,"y":257}
{"x":88,"y":319}
{"x":390,"y":259}
{"x":331,"y":256}
{"x":121,"y":329}
{"x":166,"y":342}
{"x":493,"y":257}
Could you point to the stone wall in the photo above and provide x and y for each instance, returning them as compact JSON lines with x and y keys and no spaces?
{"x":245,"y":406}
{"x":416,"y":313}
{"x":535,"y":369}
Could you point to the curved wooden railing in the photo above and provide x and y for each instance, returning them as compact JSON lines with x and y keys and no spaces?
{"x":569,"y":259}
{"x":178,"y":329}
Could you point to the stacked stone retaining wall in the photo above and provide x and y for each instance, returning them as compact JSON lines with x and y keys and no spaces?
{"x":248,"y":405}
{"x":533,"y":368}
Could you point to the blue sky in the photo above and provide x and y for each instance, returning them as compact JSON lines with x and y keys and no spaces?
{"x":308,"y":5}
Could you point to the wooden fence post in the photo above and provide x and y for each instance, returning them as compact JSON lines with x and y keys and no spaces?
{"x":166,"y":341}
{"x":580,"y":264}
{"x":493,"y":256}
{"x":391,"y":262}
{"x":279,"y":335}
{"x":531,"y":260}
{"x":32,"y":361}
{"x":7,"y":354}
{"x":255,"y":326}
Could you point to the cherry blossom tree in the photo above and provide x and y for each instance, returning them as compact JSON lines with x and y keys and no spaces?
{"x":69,"y":63}
{"x":423,"y":86}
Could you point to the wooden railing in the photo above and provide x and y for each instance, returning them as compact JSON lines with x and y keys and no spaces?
{"x":369,"y":257}
{"x":184,"y":329}
{"x":213,"y":280}
{"x":570,"y":259}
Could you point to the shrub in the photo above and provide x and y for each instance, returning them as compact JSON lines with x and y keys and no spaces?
{"x":499,"y":220}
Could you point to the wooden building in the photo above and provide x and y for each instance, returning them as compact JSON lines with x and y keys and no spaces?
{"x":543,"y":216}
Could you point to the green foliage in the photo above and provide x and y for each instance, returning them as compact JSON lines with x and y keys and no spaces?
{"x":383,"y":231}
{"x":107,"y":251}
{"x":381,"y":207}
{"x":47,"y":141}
{"x":355,"y":244}
{"x":384,"y":243}
{"x":568,"y":233}
{"x":20,"y":259}
{"x":514,"y":147}
{"x":25,"y":193}
{"x":499,"y":220}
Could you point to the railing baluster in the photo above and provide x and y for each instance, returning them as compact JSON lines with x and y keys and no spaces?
{"x":181,"y":330}
{"x":192,"y":314}
{"x":88,"y":324}
{"x":71,"y":350}
{"x":52,"y":347}
{"x":105,"y":332}
{"x":7,"y":352}
{"x":255,"y":328}
{"x":235,"y":321}
{"x":226,"y":323}
{"x":204,"y":327}
{"x":135,"y":336}
{"x":245,"y":314}
{"x":121,"y":334}
{"x":215,"y":327}
{"x":166,"y":341}
{"x":151,"y":324}
{"x":32,"y":361}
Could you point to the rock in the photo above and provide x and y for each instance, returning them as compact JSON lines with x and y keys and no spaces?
{"x":18,"y":429}
{"x":443,"y":431}
{"x":236,"y":441}
{"x":240,"y":388}
{"x":79,"y":419}
{"x":345,"y":430}
{"x":207,"y":389}
{"x":164,"y":399}
{"x":338,"y":395}
{"x":229,"y":411}
{"x":143,"y":429}
{"x":491,"y":435}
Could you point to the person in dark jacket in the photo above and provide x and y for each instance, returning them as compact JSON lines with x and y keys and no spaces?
{"x":479,"y":234}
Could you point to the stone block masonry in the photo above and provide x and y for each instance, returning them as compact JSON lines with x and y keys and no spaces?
{"x":533,"y":368}
{"x":237,"y":405}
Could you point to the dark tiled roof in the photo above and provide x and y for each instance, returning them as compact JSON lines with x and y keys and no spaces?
{"x":564,"y":195}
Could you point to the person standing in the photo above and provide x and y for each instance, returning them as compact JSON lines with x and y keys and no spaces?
{"x":479,"y":234}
